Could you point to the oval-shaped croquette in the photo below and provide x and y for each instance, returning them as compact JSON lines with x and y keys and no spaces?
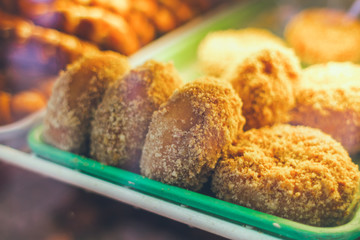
{"x":328,"y":98}
{"x":75,"y":97}
{"x":265,"y":82}
{"x":188,"y":133}
{"x":294,"y":172}
{"x":320,"y":35}
{"x":122,"y":119}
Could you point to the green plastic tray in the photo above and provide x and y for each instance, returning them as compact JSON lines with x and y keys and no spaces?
{"x":182,"y":52}
{"x":201,"y":202}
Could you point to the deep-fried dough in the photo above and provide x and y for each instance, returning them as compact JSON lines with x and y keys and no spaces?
{"x":294,"y":172}
{"x":265,"y":82}
{"x":218,"y":50}
{"x":188,"y":133}
{"x":328,"y":98}
{"x":123,"y":117}
{"x":76,"y":94}
{"x":319,"y":35}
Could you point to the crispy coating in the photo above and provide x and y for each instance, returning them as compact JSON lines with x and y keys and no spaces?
{"x":328,"y":98}
{"x":295,"y":172}
{"x":123,"y":117}
{"x":319,"y":35}
{"x":265,"y":83}
{"x":76,"y":94}
{"x":220,"y":49}
{"x":188,"y":133}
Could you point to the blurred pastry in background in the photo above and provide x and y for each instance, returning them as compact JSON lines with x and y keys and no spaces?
{"x":124,"y":26}
{"x":76,"y":94}
{"x":189,"y":132}
{"x":220,"y":49}
{"x":30,"y":53}
{"x":265,"y":82}
{"x":5,"y":108}
{"x":328,"y":98}
{"x":294,"y":172}
{"x":320,"y":35}
{"x":27,"y":102}
{"x":122,"y":119}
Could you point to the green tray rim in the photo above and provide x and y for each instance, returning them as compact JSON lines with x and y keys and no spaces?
{"x":197,"y":201}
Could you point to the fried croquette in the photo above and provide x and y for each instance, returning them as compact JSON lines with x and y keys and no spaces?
{"x":320,"y":35}
{"x":294,"y":172}
{"x":265,"y":82}
{"x":122,"y":119}
{"x":328,"y":98}
{"x":220,"y":49}
{"x":76,"y":94}
{"x":188,"y":133}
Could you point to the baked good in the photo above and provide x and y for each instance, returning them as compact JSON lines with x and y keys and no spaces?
{"x":76,"y":95}
{"x":122,"y":119}
{"x":220,"y":49}
{"x":189,"y":132}
{"x":328,"y":98}
{"x":265,"y":82}
{"x":320,"y":35}
{"x":294,"y":172}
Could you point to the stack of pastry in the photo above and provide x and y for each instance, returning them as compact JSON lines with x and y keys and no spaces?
{"x":211,"y":129}
{"x":39,"y":38}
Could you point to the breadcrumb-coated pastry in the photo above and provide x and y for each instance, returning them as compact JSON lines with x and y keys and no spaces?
{"x":328,"y":98}
{"x":294,"y":172}
{"x":220,"y":49}
{"x":122,"y":119}
{"x":265,"y":82}
{"x":188,"y":133}
{"x":320,"y":35}
{"x":76,"y":94}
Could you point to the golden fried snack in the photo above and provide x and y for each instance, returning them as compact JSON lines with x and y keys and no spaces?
{"x":26,"y":102}
{"x":76,"y":94}
{"x":188,"y":133}
{"x":32,"y":53}
{"x":122,"y":119}
{"x":265,"y":82}
{"x":164,"y":20}
{"x":121,"y":7}
{"x":143,"y":27}
{"x":220,"y":49}
{"x":98,"y":25}
{"x":5,"y":108}
{"x":328,"y":98}
{"x":319,"y":35}
{"x":298,"y":173}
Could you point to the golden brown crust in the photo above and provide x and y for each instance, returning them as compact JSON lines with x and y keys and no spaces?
{"x":265,"y":82}
{"x":188,"y":133}
{"x":121,"y":121}
{"x":220,"y":49}
{"x":76,"y":94}
{"x":319,"y":35}
{"x":298,"y":173}
{"x":328,"y":98}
